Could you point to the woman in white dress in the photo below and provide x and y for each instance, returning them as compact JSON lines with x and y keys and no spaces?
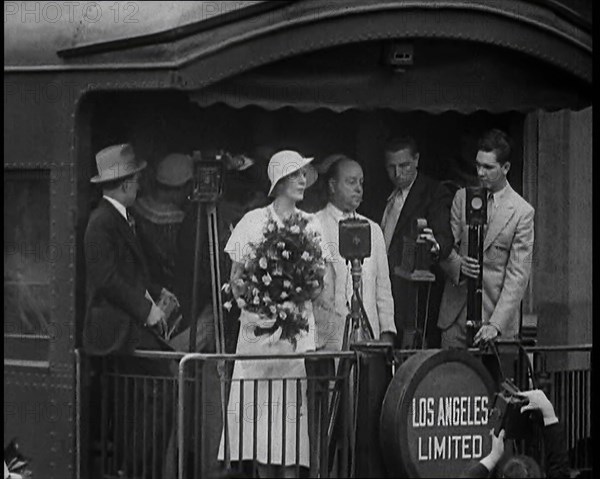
{"x":282,"y":421}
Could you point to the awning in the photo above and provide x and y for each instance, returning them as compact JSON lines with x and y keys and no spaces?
{"x":445,"y":76}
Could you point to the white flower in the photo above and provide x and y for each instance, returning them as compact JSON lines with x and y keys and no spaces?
{"x":287,"y":284}
{"x":254,"y":278}
{"x":289,"y":305}
{"x":228,"y":305}
{"x":295,"y":229}
{"x":241,"y":303}
{"x":273,"y":309}
{"x":306,"y":256}
{"x":298,"y":289}
{"x":263,"y":263}
{"x":256,"y":300}
{"x":266,"y":298}
{"x":266,"y":279}
{"x":286,"y":254}
{"x":284,"y":295}
{"x":281,"y":244}
{"x":226,"y":288}
{"x":282,"y":314}
{"x":271,"y":227}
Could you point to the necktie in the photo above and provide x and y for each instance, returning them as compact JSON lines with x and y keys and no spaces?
{"x":490,"y":207}
{"x":391,"y":216}
{"x":131,"y":222}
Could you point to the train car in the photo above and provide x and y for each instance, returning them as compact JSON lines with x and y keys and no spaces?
{"x":318,"y":76}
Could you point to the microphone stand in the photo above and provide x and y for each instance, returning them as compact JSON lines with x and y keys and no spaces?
{"x":475,"y":286}
{"x":356,"y":330}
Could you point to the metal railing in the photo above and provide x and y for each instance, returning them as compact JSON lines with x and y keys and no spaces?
{"x":205,"y":419}
{"x":191,"y":415}
{"x":564,"y":373}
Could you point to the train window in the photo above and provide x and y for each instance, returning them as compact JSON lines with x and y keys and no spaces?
{"x":26,"y":263}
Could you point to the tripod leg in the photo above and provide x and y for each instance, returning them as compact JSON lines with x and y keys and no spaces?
{"x":426,"y":319}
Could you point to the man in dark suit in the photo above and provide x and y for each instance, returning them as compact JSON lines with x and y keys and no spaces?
{"x":415,"y":196}
{"x":121,"y":313}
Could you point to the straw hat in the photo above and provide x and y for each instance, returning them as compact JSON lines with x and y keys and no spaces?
{"x":286,"y":162}
{"x":117,"y":161}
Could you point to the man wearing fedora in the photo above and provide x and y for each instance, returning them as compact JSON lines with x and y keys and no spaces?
{"x":121,"y":313}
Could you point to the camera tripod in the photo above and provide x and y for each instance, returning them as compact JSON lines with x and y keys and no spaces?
{"x":357,"y":327}
{"x":356,"y":330}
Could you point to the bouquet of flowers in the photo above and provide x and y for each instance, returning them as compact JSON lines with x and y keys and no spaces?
{"x":281,"y":273}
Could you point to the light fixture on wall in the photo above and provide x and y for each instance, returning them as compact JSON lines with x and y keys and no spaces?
{"x":398,"y":56}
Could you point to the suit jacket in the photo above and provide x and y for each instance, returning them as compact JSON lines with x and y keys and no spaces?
{"x":428,"y":199}
{"x":431,"y":200}
{"x":117,"y":280}
{"x":376,"y":291}
{"x":508,"y":248}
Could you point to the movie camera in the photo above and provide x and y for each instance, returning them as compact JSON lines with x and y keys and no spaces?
{"x":506,"y":413}
{"x":417,"y":256}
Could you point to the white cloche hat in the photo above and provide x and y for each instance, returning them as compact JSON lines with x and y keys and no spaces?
{"x":286,"y":162}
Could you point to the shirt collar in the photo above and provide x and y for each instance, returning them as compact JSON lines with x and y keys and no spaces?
{"x":336,"y":213}
{"x":405,"y":191}
{"x":500,"y":193}
{"x":120,"y":208}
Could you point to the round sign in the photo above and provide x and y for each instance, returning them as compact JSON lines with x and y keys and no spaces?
{"x":434,"y":417}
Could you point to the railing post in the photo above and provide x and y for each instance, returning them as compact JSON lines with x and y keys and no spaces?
{"x":374,"y":376}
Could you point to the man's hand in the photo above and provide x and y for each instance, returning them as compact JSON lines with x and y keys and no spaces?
{"x":387,"y":337}
{"x":469,"y":267}
{"x":168,"y":296}
{"x":539,"y":402}
{"x":428,"y":236}
{"x":486,"y":333}
{"x":168,"y":302}
{"x":155,"y":317}
{"x":497,"y":451}
{"x":497,"y":445}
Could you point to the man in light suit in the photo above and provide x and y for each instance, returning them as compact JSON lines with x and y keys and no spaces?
{"x":508,"y":246}
{"x":344,"y":180}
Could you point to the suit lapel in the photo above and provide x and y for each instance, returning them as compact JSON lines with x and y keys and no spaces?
{"x":504,"y":212}
{"x":126,"y":231}
{"x":413,"y":200}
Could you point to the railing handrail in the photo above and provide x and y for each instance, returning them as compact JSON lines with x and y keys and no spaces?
{"x":213,"y":356}
{"x":179,"y":355}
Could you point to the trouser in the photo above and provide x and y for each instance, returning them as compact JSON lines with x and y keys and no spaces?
{"x":455,"y":337}
{"x":410,"y":319}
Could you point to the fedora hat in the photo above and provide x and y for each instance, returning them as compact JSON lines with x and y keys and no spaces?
{"x":175,"y":169}
{"x":286,"y":162}
{"x":117,"y":161}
